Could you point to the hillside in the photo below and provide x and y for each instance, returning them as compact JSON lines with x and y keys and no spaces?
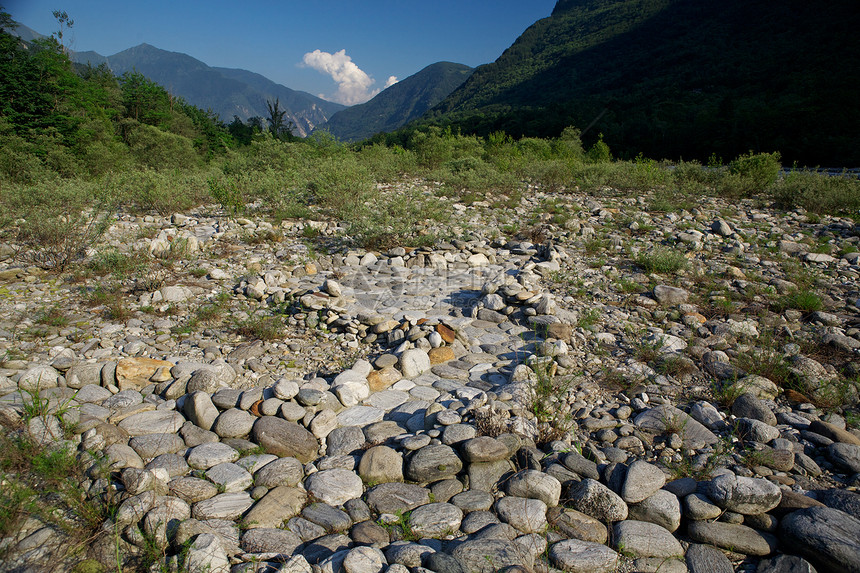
{"x":675,"y":78}
{"x":401,"y":103}
{"x":226,"y":91}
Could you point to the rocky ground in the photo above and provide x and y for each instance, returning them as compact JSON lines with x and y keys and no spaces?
{"x":577,"y":384}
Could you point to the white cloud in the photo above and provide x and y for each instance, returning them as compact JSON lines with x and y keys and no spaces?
{"x":391,"y":81}
{"x":353,"y":84}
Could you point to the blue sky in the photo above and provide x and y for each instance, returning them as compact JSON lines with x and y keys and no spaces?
{"x":379,"y":38}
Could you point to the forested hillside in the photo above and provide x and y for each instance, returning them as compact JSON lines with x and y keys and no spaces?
{"x":401,"y":103}
{"x":679,"y":78}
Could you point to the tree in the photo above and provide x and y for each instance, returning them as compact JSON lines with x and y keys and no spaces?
{"x":280,"y":129}
{"x":65,"y":22}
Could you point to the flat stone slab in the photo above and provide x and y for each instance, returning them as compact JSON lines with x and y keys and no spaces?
{"x":153,"y":422}
{"x":360,"y":416}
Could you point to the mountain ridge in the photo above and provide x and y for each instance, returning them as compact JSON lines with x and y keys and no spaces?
{"x":399,"y":104}
{"x":677,"y":78}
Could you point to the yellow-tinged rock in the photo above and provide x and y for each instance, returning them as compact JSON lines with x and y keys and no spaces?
{"x":440,"y":355}
{"x":447,"y":334}
{"x":382,"y":379}
{"x":135,"y":373}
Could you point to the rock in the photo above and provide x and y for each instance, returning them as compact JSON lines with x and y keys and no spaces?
{"x":334,"y":486}
{"x":737,"y":538}
{"x":414,"y":362}
{"x":394,"y":497}
{"x":748,"y":406}
{"x":526,"y":515}
{"x":595,"y":499}
{"x":642,"y":480}
{"x":583,"y":557}
{"x":661,"y":508}
{"x":491,"y":555}
{"x":829,"y":538}
{"x":433,"y":463}
{"x":435,"y":519}
{"x":744,"y":495}
{"x":484,"y":449}
{"x":285,"y":439}
{"x":833,"y":432}
{"x":672,"y":420}
{"x":577,"y":463}
{"x":200,"y":410}
{"x":364,"y":560}
{"x":535,"y":485}
{"x":135,"y":373}
{"x":38,"y":378}
{"x":329,"y":518}
{"x":282,"y":471}
{"x":707,"y":559}
{"x":846,"y":501}
{"x":381,"y":464}
{"x":669,"y":295}
{"x":205,"y":456}
{"x":233,"y":423}
{"x":229,"y":477}
{"x":756,"y":431}
{"x":270,"y":540}
{"x":207,"y":554}
{"x":153,"y":422}
{"x":379,"y":380}
{"x":577,"y":525}
{"x":643,"y":539}
{"x":844,"y":455}
{"x":223,"y":506}
{"x":276,"y":507}
{"x":785,"y":564}
{"x":759,"y":386}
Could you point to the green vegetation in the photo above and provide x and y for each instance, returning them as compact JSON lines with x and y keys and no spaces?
{"x":705,"y":88}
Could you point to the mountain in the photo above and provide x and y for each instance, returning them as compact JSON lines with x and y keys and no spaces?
{"x":399,"y":104}
{"x":679,"y":78}
{"x":226,"y":91}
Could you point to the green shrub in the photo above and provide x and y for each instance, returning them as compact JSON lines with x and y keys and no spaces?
{"x":750,"y":174}
{"x":819,"y":193}
{"x":662,"y":260}
{"x":160,"y":150}
{"x":599,"y":152}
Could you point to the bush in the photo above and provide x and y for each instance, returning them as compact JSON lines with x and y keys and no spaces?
{"x":819,"y":193}
{"x":158,"y":149}
{"x":57,"y":221}
{"x":662,"y":260}
{"x":749,"y":174}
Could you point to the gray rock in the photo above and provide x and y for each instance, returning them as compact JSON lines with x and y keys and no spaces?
{"x":200,"y":410}
{"x":785,"y":564}
{"x":334,"y":486}
{"x":205,"y":456}
{"x":595,"y":499}
{"x":644,"y":539}
{"x":473,"y":500}
{"x":153,"y":445}
{"x":282,"y":471}
{"x":38,"y":378}
{"x":229,"y":477}
{"x":268,"y":540}
{"x":843,"y":500}
{"x":641,"y":481}
{"x":344,"y":440}
{"x":192,"y":489}
{"x":662,"y":508}
{"x":364,"y":560}
{"x":846,"y":456}
{"x":536,"y":485}
{"x":526,"y":515}
{"x":223,"y":506}
{"x":233,"y":423}
{"x":827,"y":537}
{"x":583,"y":557}
{"x":490,"y":555}
{"x":207,"y":553}
{"x":174,"y":464}
{"x":277,"y":506}
{"x":83,"y":374}
{"x":435,"y":519}
{"x":283,"y":438}
{"x":749,"y":406}
{"x":394,"y":497}
{"x":662,"y":419}
{"x":756,"y":430}
{"x":432,"y":463}
{"x":707,"y":559}
{"x":577,"y":525}
{"x":329,"y":518}
{"x":578,"y":464}
{"x":484,"y":449}
{"x":698,"y":506}
{"x":670,"y":295}
{"x":413,"y":363}
{"x":381,"y":464}
{"x":737,"y":538}
{"x":744,"y":495}
{"x":153,"y":422}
